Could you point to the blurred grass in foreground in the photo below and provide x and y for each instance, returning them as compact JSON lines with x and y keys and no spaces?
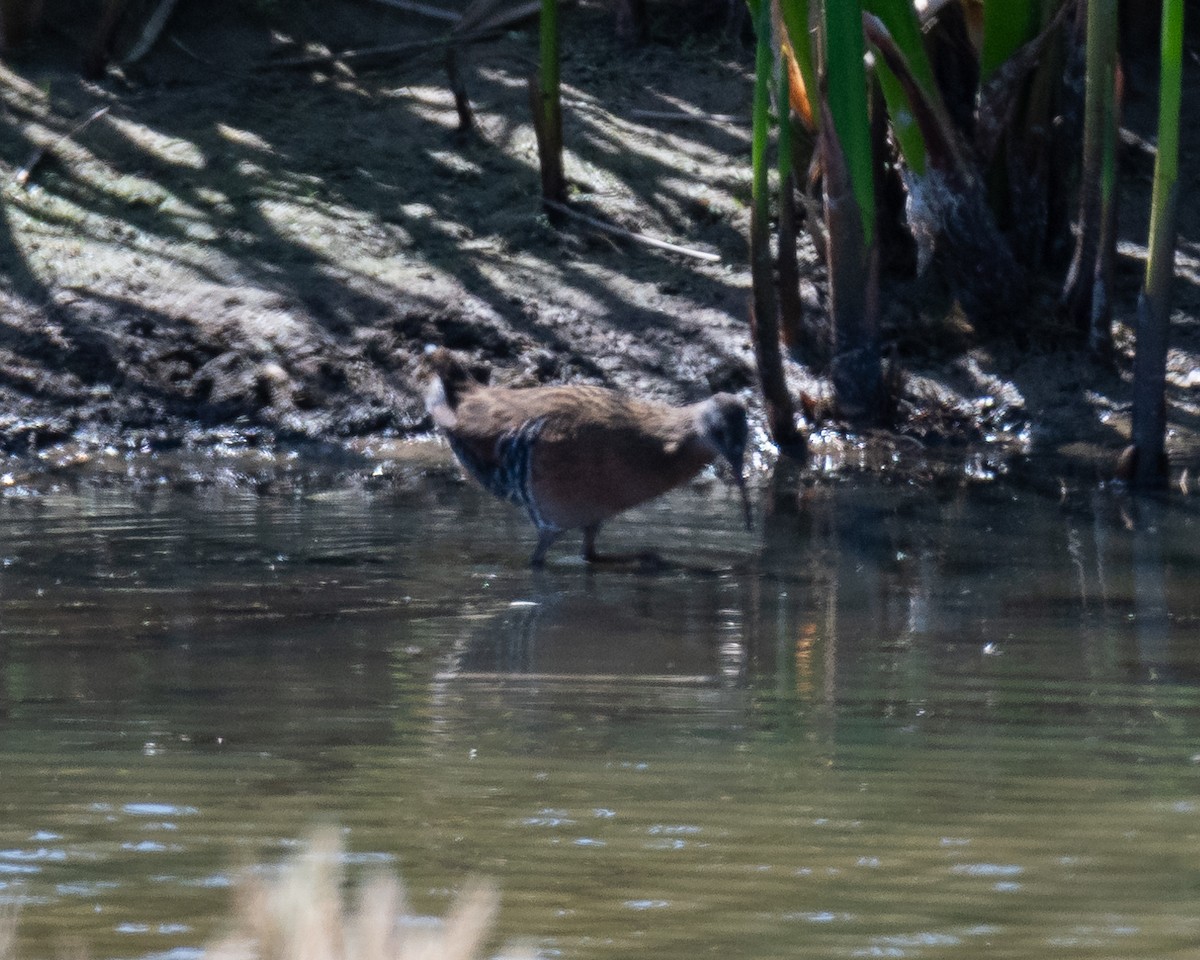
{"x":298,"y":912}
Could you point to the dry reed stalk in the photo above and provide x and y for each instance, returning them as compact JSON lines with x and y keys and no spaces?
{"x":8,"y":932}
{"x":300,"y":915}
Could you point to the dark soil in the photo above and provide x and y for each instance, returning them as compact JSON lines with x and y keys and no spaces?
{"x":235,"y":256}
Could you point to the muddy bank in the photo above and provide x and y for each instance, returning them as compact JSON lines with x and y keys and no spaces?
{"x":238,"y":259}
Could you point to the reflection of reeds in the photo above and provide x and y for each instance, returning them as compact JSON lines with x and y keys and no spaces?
{"x":299,"y":915}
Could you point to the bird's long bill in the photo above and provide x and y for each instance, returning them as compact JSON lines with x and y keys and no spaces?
{"x":741,"y":485}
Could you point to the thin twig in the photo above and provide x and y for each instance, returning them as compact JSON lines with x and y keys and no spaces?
{"x":190,"y":52}
{"x":23,"y":176}
{"x":151,"y":32}
{"x":386,"y":51}
{"x":423,"y":9}
{"x":629,"y":234}
{"x":668,"y":115}
{"x":676,"y":116}
{"x":482,"y":15}
{"x":490,"y":15}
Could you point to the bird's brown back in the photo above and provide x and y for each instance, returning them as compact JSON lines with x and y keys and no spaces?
{"x":593,"y":452}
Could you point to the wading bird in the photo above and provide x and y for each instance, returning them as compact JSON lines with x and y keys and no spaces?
{"x":575,"y":456}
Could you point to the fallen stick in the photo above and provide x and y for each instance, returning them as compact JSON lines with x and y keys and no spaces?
{"x":23,"y":176}
{"x":629,"y":234}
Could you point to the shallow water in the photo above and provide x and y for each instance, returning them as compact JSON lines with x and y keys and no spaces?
{"x":903,"y":721}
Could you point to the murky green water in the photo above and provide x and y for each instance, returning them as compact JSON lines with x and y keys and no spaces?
{"x":904,"y":722}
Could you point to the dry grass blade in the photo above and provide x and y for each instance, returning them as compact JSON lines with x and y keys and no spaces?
{"x":677,"y":116}
{"x":373,"y":926}
{"x":299,"y":915}
{"x":424,"y":9}
{"x":370,"y":56}
{"x":468,"y":925}
{"x":25,"y":174}
{"x":8,"y":932}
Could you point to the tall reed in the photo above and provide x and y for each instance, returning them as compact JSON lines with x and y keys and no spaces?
{"x":849,"y":199}
{"x":1154,"y":303}
{"x":764,"y":309}
{"x":1087,"y":293}
{"x":546,"y":99}
{"x":1007,"y":24}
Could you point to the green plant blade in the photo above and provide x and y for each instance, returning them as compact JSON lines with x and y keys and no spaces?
{"x":1166,"y":165}
{"x":795,"y":16}
{"x":846,"y":94}
{"x":1007,"y":24}
{"x":761,"y":119}
{"x":900,"y":18}
{"x":855,"y":368}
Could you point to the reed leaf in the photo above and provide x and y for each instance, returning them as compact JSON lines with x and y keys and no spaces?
{"x":939,"y":135}
{"x":1007,"y":24}
{"x":846,"y":94}
{"x":900,"y":18}
{"x":797,"y":49}
{"x":788,"y":267}
{"x":847,"y":162}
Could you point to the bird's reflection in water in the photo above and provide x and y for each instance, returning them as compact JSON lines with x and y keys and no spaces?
{"x":603,"y":663}
{"x":683,"y":630}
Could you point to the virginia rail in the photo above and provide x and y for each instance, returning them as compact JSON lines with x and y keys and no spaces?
{"x":574,"y":456}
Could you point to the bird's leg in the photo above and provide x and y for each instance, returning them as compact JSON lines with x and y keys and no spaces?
{"x":546,"y":537}
{"x":589,"y":543}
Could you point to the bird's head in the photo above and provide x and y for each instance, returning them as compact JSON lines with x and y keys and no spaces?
{"x":724,"y":428}
{"x":449,"y":380}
